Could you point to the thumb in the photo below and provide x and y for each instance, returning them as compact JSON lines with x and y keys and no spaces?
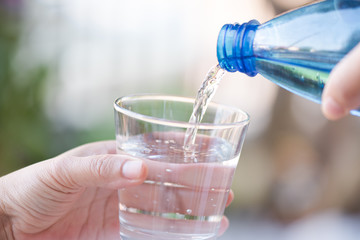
{"x":342,"y":92}
{"x":107,"y":170}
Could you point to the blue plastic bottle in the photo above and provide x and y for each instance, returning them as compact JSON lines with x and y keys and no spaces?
{"x":296,"y":50}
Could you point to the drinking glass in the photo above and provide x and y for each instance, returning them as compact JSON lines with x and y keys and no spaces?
{"x":186,"y":190}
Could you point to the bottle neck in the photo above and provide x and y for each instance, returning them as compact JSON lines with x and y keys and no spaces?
{"x":234,"y":47}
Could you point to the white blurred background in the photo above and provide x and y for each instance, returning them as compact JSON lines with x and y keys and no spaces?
{"x":299,"y":175}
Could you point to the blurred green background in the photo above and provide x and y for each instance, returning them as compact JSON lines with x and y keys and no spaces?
{"x":21,"y":140}
{"x":63,"y":63}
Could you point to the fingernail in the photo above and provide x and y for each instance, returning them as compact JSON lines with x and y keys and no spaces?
{"x":132,"y":169}
{"x":332,"y":109}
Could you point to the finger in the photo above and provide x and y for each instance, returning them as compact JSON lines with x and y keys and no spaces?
{"x":110,"y":171}
{"x":204,"y":176}
{"x":230,"y":198}
{"x":223,"y":226}
{"x":94,"y":148}
{"x":342,"y":92}
{"x":168,"y":199}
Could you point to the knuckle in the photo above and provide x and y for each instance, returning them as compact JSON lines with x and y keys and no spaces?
{"x":61,"y":176}
{"x":101,"y":166}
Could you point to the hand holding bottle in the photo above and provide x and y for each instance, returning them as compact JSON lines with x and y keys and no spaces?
{"x":342,"y":92}
{"x":304,"y":51}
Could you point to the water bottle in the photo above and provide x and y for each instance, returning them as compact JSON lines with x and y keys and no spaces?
{"x":296,"y":50}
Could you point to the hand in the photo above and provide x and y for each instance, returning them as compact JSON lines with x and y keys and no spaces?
{"x":342,"y":92}
{"x":72,"y":196}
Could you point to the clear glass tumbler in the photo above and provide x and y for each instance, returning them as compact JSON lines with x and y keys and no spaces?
{"x":185,"y":193}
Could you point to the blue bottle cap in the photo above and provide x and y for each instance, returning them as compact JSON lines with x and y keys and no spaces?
{"x":234,"y":47}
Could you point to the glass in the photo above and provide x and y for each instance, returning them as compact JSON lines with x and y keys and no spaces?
{"x":185,"y":193}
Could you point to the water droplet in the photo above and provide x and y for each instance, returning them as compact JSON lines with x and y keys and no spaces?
{"x":158,"y":175}
{"x":212,"y":189}
{"x":168,"y":170}
{"x":166,"y":142}
{"x":172,"y":141}
{"x":211,"y":199}
{"x":188,"y":211}
{"x":214,"y":205}
{"x":158,"y":140}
